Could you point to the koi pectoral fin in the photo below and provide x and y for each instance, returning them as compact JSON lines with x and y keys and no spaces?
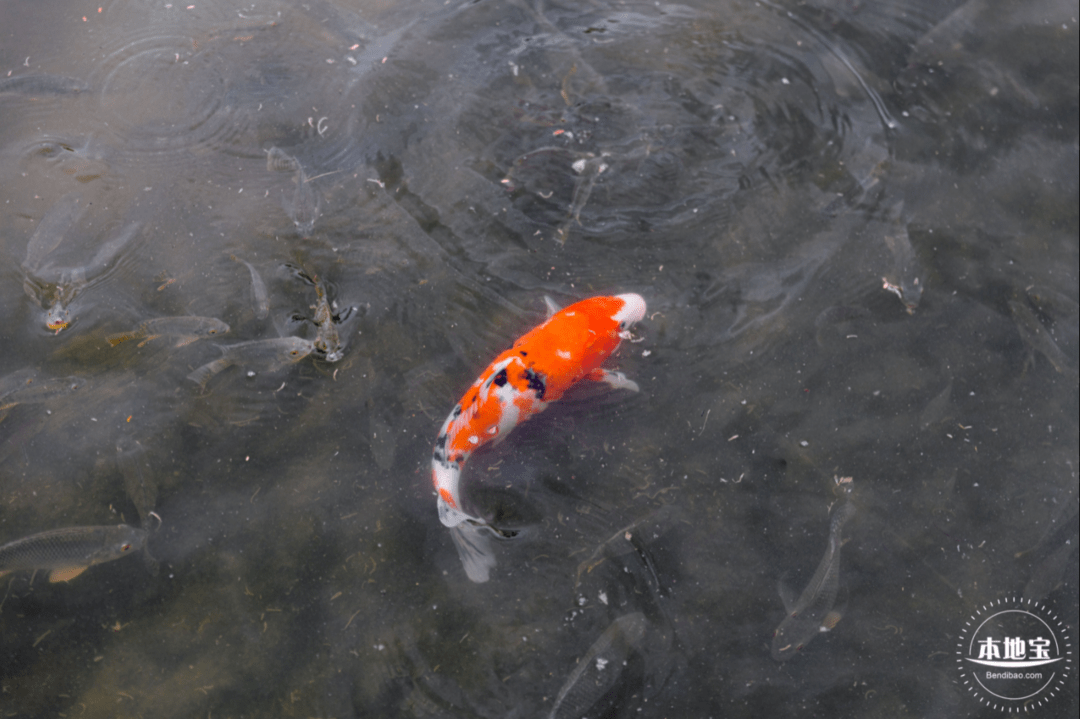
{"x":65,"y":574}
{"x":616,"y":379}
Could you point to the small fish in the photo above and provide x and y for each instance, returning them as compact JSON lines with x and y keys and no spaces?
{"x":258,"y":288}
{"x":588,"y":170}
{"x":304,"y":209}
{"x":43,"y":84}
{"x":55,"y":288}
{"x":67,"y":552}
{"x":277,"y":160}
{"x":327,"y":340}
{"x":32,"y":390}
{"x":1038,"y":338}
{"x":598,"y":671}
{"x":268,"y":355}
{"x":545,"y":362}
{"x":905,"y":282}
{"x":131,"y":459}
{"x":812,"y":612}
{"x":188,"y":329}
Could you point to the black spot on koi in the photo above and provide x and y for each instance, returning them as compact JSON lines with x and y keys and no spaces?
{"x":500,"y":379}
{"x":536,"y":383}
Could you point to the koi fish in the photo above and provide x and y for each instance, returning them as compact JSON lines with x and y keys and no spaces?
{"x":812,"y":612}
{"x":68,"y":552}
{"x":522,"y":381}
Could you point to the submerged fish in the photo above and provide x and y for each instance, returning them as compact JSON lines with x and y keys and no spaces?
{"x":50,"y":231}
{"x":327,"y":340}
{"x":42,"y":84}
{"x":812,"y":612}
{"x":268,"y":355}
{"x":23,"y":388}
{"x":304,"y":209}
{"x":598,"y":671}
{"x":587,"y":170}
{"x":55,"y":288}
{"x":542,"y":365}
{"x":66,"y":553}
{"x":258,"y":288}
{"x":188,"y":329}
{"x":131,"y":459}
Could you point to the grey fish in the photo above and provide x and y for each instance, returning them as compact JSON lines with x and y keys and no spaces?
{"x":29,"y":390}
{"x":51,"y":230}
{"x":66,"y":553}
{"x":588,"y":170}
{"x":304,"y":209}
{"x":1038,"y":338}
{"x":189,"y":329}
{"x":55,"y":288}
{"x":268,"y":355}
{"x":812,"y":612}
{"x":903,"y":281}
{"x":43,"y":84}
{"x":598,"y":671}
{"x":258,"y":288}
{"x":131,"y":459}
{"x":277,"y":160}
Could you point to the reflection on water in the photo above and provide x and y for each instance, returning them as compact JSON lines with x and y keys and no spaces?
{"x":404,"y":183}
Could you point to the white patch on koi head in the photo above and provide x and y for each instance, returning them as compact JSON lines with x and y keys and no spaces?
{"x":633,"y":310}
{"x":563,"y":354}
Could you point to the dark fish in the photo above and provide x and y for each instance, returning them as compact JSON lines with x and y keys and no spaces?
{"x":1038,"y":338}
{"x":131,"y":459}
{"x":66,"y":553}
{"x":29,"y":390}
{"x":188,"y":329}
{"x":268,"y":355}
{"x":598,"y":671}
{"x":42,"y":85}
{"x":812,"y":612}
{"x":327,"y":340}
{"x":588,"y":170}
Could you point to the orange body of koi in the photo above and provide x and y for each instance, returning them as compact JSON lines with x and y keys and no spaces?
{"x":545,"y":362}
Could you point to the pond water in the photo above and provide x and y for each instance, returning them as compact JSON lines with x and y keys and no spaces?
{"x":854,"y":225}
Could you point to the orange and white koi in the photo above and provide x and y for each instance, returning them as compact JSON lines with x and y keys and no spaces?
{"x":543,"y":364}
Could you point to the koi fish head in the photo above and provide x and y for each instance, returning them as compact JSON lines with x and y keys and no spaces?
{"x":631,"y":312}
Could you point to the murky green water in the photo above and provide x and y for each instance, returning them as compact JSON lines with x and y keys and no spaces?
{"x":856,"y":229}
